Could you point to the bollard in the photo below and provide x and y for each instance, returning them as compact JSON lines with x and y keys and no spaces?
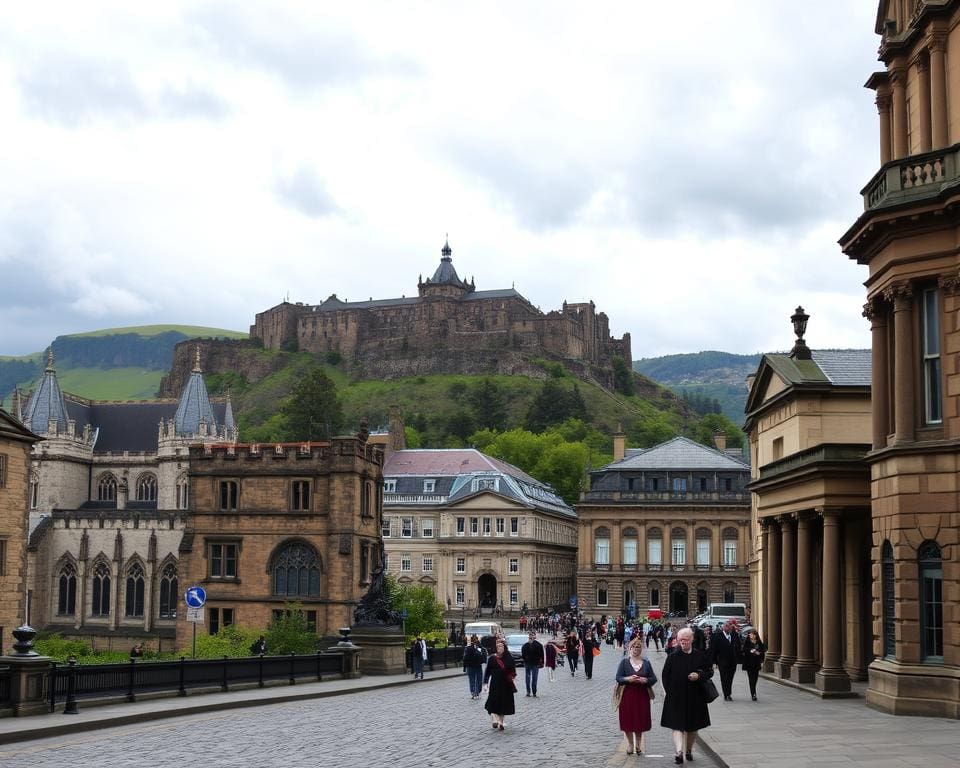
{"x":293,"y":658}
{"x":260,"y":672}
{"x":70,"y":708}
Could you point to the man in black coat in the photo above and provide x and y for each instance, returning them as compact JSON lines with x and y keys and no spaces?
{"x":532,"y":654}
{"x":726,"y":651}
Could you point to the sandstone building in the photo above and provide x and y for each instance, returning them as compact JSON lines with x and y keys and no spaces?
{"x":449,"y":326}
{"x":15,"y":443}
{"x":907,"y":238}
{"x":666,"y":528}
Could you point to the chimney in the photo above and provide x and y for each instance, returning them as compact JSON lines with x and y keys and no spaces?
{"x":619,"y":443}
{"x":720,"y":440}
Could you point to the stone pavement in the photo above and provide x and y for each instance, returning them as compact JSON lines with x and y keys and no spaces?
{"x":434,"y":723}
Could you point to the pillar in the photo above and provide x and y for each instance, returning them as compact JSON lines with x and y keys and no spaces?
{"x":806,"y":665}
{"x":898,"y":76}
{"x":831,"y":676}
{"x":883,"y":110}
{"x":858,"y":611}
{"x":716,"y":547}
{"x":788,"y":597}
{"x":904,"y":365}
{"x":923,"y":92}
{"x":938,"y":90}
{"x":772,"y":572}
{"x":880,"y":390}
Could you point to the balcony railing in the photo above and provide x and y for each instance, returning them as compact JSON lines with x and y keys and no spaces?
{"x":412,"y":498}
{"x":670,"y":497}
{"x":911,"y":178}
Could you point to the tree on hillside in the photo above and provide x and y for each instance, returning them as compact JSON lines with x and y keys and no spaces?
{"x":488,"y":404}
{"x":554,"y":404}
{"x":622,"y":376}
{"x":713,"y":423}
{"x":313,"y":411}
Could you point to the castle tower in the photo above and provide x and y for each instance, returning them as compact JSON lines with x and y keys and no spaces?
{"x":46,"y":411}
{"x":445,"y":280}
{"x":194,"y":414}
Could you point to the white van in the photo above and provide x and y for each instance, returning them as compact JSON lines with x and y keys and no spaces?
{"x":481,"y":628}
{"x":721,"y":613}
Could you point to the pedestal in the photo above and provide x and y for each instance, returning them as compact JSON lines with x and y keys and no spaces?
{"x":28,"y":691}
{"x":803,"y":671}
{"x":382,"y":649}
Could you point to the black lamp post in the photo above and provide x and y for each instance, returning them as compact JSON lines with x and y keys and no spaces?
{"x":800,"y":349}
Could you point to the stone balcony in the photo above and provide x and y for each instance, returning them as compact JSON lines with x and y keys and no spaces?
{"x":668,"y":497}
{"x":913,"y":178}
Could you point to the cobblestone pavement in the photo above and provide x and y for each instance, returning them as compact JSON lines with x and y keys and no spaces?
{"x":434,"y":723}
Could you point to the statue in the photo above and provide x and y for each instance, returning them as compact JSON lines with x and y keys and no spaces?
{"x":375,"y":606}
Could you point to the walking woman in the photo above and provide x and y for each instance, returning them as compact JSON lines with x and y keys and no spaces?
{"x":637,"y":677}
{"x":685,"y":706}
{"x":589,"y":643}
{"x":473,"y":658}
{"x":498,"y":681}
{"x":550,"y":658}
{"x":573,"y":651}
{"x":753,"y":652}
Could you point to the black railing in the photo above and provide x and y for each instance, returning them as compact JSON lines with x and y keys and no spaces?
{"x":451,"y":656}
{"x":4,"y":686}
{"x":133,"y":678}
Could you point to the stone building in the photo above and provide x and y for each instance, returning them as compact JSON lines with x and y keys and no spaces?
{"x":15,"y":443}
{"x":108,"y":499}
{"x":664,"y":528}
{"x":448,"y":326}
{"x":272,"y":525}
{"x":907,"y":238}
{"x":808,"y":420}
{"x":479,"y":531}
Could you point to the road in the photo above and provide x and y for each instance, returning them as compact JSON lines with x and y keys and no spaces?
{"x":423,"y":725}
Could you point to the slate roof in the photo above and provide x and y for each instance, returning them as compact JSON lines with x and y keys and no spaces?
{"x":841,"y":367}
{"x":46,"y":403}
{"x":12,"y":429}
{"x":678,"y":453}
{"x":194,"y":406}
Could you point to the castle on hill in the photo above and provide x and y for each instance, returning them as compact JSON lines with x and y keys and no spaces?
{"x":449,"y":326}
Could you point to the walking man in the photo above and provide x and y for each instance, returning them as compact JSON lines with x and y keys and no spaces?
{"x":532,"y":654}
{"x":419,"y":655}
{"x":726,"y":651}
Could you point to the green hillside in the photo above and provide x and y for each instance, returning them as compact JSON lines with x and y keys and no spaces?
{"x":187,"y":331}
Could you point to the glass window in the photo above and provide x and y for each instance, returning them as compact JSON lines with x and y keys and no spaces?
{"x":630,"y":551}
{"x":679,"y":552}
{"x":474,"y":526}
{"x":501,"y":526}
{"x":514,"y":596}
{"x":654,"y":596}
{"x":730,"y":552}
{"x":426,"y":528}
{"x":655,"y":552}
{"x":514,"y":526}
{"x":931,"y":601}
{"x":601,"y":551}
{"x":514,"y":565}
{"x":147,"y":488}
{"x":729,"y":592}
{"x":390,"y":486}
{"x":486,"y":526}
{"x":703,"y":552}
{"x":406,"y":527}
{"x":34,"y":492}
{"x":931,"y":357}
{"x":134,"y":591}
{"x":169,"y":592}
{"x":183,"y":492}
{"x":301,"y":496}
{"x":385,"y":526}
{"x":429,"y":486}
{"x":427,"y":564}
{"x":679,"y":486}
{"x":461,"y":565}
{"x":223,"y":561}
{"x":406,"y":563}
{"x":296,"y":571}
{"x":602,"y":593}
{"x":461,"y":595}
{"x":229,"y":491}
{"x":461,"y":525}
{"x":889,"y":602}
{"x":107,"y":488}
{"x":101,"y":590}
{"x":67,"y":592}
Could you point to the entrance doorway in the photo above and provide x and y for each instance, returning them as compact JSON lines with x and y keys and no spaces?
{"x":678,"y":598}
{"x":487,"y":591}
{"x":701,"y":598}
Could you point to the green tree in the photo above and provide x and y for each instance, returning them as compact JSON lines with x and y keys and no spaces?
{"x":289,"y":633}
{"x":622,"y":376}
{"x":488,"y":404}
{"x":713,"y":423}
{"x":562,"y":465}
{"x":554,"y":404}
{"x":313,"y":411}
{"x":424,"y":612}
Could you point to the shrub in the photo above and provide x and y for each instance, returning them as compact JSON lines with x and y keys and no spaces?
{"x":289,"y":632}
{"x":60,"y":648}
{"x":229,"y":641}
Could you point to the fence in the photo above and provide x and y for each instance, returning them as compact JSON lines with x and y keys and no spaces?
{"x":451,"y":656}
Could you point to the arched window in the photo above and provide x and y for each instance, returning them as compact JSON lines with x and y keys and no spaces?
{"x":729,"y":592}
{"x":889,"y":603}
{"x":629,"y":546}
{"x":729,"y":547}
{"x":678,"y":547}
{"x":34,"y":490}
{"x":169,"y":592}
{"x":703,"y":537}
{"x":654,"y":550}
{"x":296,"y":571}
{"x":630,"y":596}
{"x":183,"y":492}
{"x":601,"y":546}
{"x":107,"y":488}
{"x":100,"y":604}
{"x":654,"y":594}
{"x":602,"y":593}
{"x":134,"y":591}
{"x":147,"y":487}
{"x":67,"y":591}
{"x":931,"y":601}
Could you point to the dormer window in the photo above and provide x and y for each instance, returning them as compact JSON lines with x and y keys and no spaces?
{"x":429,"y":486}
{"x":486,"y":484}
{"x":390,"y":486}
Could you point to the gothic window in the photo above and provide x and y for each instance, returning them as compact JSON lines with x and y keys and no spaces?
{"x":107,"y":488}
{"x":169,"y":592}
{"x":100,"y":603}
{"x":183,"y":492}
{"x":296,"y":571}
{"x":34,"y":491}
{"x":889,"y":604}
{"x":147,"y":488}
{"x":229,"y":493}
{"x":300,"y":501}
{"x":931,"y":601}
{"x":134,"y":591}
{"x":67,"y":591}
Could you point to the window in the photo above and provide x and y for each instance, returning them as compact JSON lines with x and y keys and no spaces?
{"x":777,"y":448}
{"x":385,"y":526}
{"x":514,"y":526}
{"x":169,"y":592}
{"x":365,"y":505}
{"x":501,"y":527}
{"x":406,"y":564}
{"x":461,"y":595}
{"x":427,"y":564}
{"x":730,"y":547}
{"x":3,"y":470}
{"x":34,"y":491}
{"x":485,"y":484}
{"x":67,"y":591}
{"x":889,"y":602}
{"x":514,"y":565}
{"x":728,"y":484}
{"x":429,"y":486}
{"x":630,"y":596}
{"x":218,"y":618}
{"x":654,"y":549}
{"x":931,"y":601}
{"x":602,"y":593}
{"x":601,"y":547}
{"x":703,"y":484}
{"x":426,"y":528}
{"x":390,"y":486}
{"x":679,"y":486}
{"x":678,"y":546}
{"x":654,"y":595}
{"x":107,"y":488}
{"x":514,"y":596}
{"x":133,"y":591}
{"x":147,"y":488}
{"x":486,"y":526}
{"x":296,"y":571}
{"x":630,"y":546}
{"x":703,"y":539}
{"x":474,"y":526}
{"x":223,"y":561}
{"x":229,"y":491}
{"x":100,"y":605}
{"x":461,"y":525}
{"x":461,"y":565}
{"x":183,"y":492}
{"x":300,"y":495}
{"x":930,"y":320}
{"x":406,"y":527}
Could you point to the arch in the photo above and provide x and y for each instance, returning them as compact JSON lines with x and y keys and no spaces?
{"x":169,"y":588}
{"x":146,"y":487}
{"x":133,"y":589}
{"x":654,"y":533}
{"x":653,"y":592}
{"x":679,"y":597}
{"x":703,"y":533}
{"x":107,"y":487}
{"x":930,"y":567}
{"x":888,"y":603}
{"x":677,"y":532}
{"x":487,"y":590}
{"x":296,"y":567}
{"x":100,"y":583}
{"x":629,"y":531}
{"x":602,"y":595}
{"x":730,"y":532}
{"x":66,"y":586}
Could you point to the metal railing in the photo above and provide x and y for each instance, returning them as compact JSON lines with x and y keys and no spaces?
{"x":451,"y":656}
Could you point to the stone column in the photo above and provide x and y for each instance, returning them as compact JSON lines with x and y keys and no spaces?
{"x":904,"y":363}
{"x":716,"y":547}
{"x":858,"y":611}
{"x":883,"y":109}
{"x":806,"y":665}
{"x":937,"y":46}
{"x":923,"y":91}
{"x":898,"y":76}
{"x":880,"y":391}
{"x":616,"y":546}
{"x":788,"y":597}
{"x":831,"y":676}
{"x":641,"y":546}
{"x":772,"y":571}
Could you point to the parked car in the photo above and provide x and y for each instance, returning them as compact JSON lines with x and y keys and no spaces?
{"x":515,"y":645}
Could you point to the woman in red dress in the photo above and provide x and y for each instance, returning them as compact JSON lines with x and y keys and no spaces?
{"x":637,"y":677}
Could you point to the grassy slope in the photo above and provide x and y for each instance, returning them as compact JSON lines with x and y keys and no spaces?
{"x":112,"y":384}
{"x":192,"y":331}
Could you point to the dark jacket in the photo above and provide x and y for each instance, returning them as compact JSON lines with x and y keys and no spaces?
{"x":474,"y":656}
{"x":685,"y":705}
{"x":572,"y":645}
{"x":532,"y":653}
{"x":500,"y":674}
{"x":752,"y":660}
{"x":726,"y":653}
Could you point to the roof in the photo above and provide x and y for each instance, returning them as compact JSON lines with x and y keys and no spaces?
{"x":445,"y":274}
{"x":194,"y":406}
{"x":841,"y":367}
{"x":12,"y":429}
{"x":678,"y":453}
{"x":47,"y":403}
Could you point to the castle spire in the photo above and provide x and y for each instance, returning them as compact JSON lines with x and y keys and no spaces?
{"x":47,"y":411}
{"x":50,"y":358}
{"x":194,"y":407}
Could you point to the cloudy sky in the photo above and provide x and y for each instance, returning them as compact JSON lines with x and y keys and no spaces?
{"x":197,"y":162}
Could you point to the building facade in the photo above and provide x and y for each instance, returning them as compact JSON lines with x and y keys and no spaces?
{"x":664,"y":528}
{"x":481,"y":533}
{"x":907,"y":238}
{"x":15,"y":443}
{"x":808,"y":421}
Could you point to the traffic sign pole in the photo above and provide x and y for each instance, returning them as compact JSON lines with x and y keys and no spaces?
{"x":195,"y":598}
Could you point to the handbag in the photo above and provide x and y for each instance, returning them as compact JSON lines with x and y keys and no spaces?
{"x":596,"y":651}
{"x":653,"y":693}
{"x":617,"y":696}
{"x":710,"y":690}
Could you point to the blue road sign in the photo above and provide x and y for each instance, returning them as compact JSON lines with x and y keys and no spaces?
{"x":195,"y":597}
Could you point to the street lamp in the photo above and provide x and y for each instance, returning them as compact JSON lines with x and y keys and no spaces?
{"x":800,"y":349}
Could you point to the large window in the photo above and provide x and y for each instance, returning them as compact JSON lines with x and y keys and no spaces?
{"x":514,"y":526}
{"x":229,"y":494}
{"x":100,"y":602}
{"x":406,"y":527}
{"x":514,"y":565}
{"x":461,"y":594}
{"x":183,"y":492}
{"x":296,"y":571}
{"x":133,"y":591}
{"x":67,"y":591}
{"x":630,"y":546}
{"x":461,"y":525}
{"x":730,"y":547}
{"x":678,"y":546}
{"x":406,"y":563}
{"x":601,"y":547}
{"x":889,"y":602}
{"x":461,"y":565}
{"x":426,"y":527}
{"x":300,"y":495}
{"x":703,"y":548}
{"x":169,"y":592}
{"x":931,"y":601}
{"x":654,"y":549}
{"x":654,"y":595}
{"x":427,"y":564}
{"x":602,"y":593}
{"x":931,"y":357}
{"x":385,"y":526}
{"x":147,"y":487}
{"x":223,"y":561}
{"x":729,"y":592}
{"x":107,"y":488}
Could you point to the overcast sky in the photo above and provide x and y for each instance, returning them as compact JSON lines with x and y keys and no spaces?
{"x":197,"y":162}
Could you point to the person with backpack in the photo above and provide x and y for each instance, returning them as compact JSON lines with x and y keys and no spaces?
{"x":474,"y":657}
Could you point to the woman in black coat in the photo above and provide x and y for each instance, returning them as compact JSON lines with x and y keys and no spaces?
{"x":589,"y":643}
{"x":498,"y":680}
{"x":572,"y":646}
{"x":753,"y":651}
{"x":685,"y":706}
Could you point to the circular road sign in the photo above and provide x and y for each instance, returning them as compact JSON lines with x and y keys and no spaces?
{"x":195,"y":597}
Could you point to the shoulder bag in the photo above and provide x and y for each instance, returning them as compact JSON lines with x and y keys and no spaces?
{"x":617,"y":696}
{"x":710,"y":690}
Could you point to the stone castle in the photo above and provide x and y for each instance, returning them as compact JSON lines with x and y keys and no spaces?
{"x":448,"y":327}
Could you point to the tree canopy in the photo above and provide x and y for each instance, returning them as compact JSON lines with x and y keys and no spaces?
{"x":313,"y":411}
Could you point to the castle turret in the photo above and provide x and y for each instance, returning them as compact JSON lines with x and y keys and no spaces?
{"x":194,"y":410}
{"x":47,"y":412}
{"x":445,"y":280}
